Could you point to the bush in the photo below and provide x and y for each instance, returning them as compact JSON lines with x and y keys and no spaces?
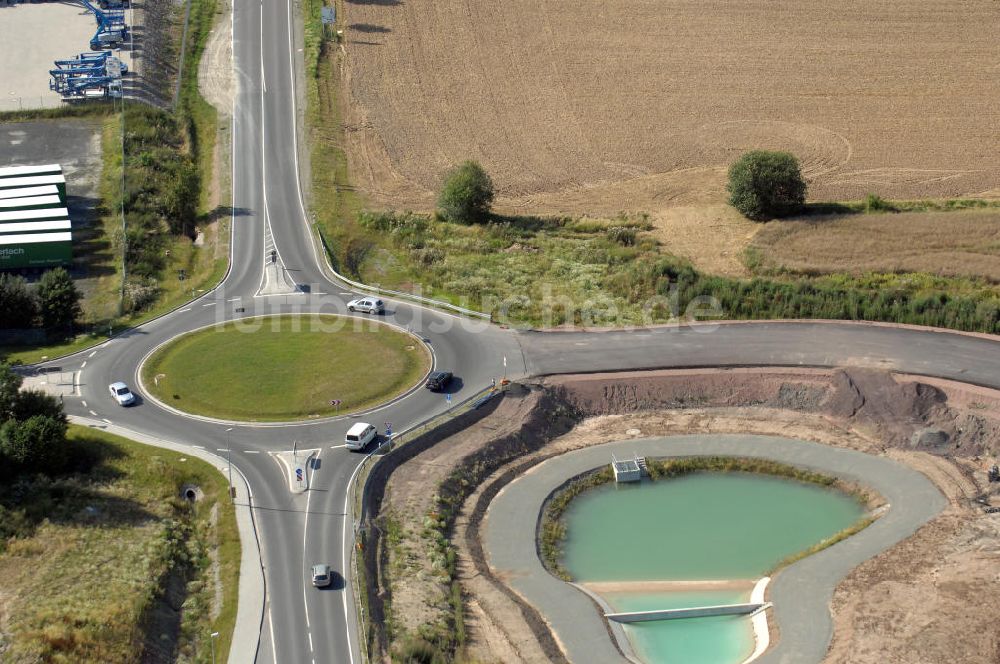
{"x":623,"y":235}
{"x":764,"y":185}
{"x":20,"y":308}
{"x":59,"y":301}
{"x":36,"y":442}
{"x":467,"y":194}
{"x":10,"y":384}
{"x":875,"y":203}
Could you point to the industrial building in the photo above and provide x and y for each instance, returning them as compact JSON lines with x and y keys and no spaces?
{"x":35,"y":228}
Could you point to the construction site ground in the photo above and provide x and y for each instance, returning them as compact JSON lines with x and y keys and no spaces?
{"x":933,"y":597}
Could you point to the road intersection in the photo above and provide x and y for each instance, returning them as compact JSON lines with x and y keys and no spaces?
{"x":306,"y":625}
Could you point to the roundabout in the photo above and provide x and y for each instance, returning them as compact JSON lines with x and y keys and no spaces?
{"x":284,"y":368}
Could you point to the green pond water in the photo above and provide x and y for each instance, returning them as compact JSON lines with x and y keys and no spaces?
{"x":718,"y":639}
{"x":705,"y":526}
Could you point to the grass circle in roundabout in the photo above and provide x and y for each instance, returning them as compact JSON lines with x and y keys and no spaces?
{"x":284,"y":368}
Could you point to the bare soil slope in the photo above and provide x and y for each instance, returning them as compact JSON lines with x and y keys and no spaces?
{"x":596,"y":107}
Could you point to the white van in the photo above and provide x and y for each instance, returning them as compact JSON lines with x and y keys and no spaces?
{"x":359,"y":435}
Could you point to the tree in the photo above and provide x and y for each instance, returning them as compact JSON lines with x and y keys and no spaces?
{"x":35,"y":442}
{"x":764,"y":185}
{"x":467,"y":194}
{"x":10,"y":384}
{"x":30,"y":403}
{"x":19,"y":308}
{"x":59,"y":301}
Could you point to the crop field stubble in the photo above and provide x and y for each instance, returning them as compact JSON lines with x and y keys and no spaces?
{"x":593,"y":107}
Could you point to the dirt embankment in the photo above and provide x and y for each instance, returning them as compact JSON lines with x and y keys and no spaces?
{"x":924,"y":588}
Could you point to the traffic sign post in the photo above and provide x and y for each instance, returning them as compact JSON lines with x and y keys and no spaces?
{"x":335,"y":403}
{"x":447,"y":399}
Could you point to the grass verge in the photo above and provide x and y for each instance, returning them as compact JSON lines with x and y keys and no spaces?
{"x":92,"y":561}
{"x":285,"y":368}
{"x":552,"y":528}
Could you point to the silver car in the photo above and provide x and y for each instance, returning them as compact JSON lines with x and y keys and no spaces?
{"x":121,"y":393}
{"x":322,"y":576}
{"x":369,"y":305}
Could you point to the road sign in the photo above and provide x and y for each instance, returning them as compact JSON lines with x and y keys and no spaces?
{"x":298,"y":474}
{"x":388,"y":428}
{"x":447,"y":398}
{"x":335,"y":402}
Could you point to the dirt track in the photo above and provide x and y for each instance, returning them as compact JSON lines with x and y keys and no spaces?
{"x":597,"y":107}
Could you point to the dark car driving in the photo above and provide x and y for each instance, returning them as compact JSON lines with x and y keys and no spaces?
{"x":438,"y":380}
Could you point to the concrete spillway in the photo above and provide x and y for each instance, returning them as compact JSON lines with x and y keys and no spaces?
{"x":692,"y":612}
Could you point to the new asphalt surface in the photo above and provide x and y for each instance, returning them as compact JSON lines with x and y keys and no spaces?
{"x":305,"y":625}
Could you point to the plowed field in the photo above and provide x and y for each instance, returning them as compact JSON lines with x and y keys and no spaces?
{"x":597,"y":106}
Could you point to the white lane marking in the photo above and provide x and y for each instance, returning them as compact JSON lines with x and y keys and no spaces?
{"x":234,"y":299}
{"x":337,"y":447}
{"x":84,"y":403}
{"x":310,"y":642}
{"x":305,"y":533}
{"x":183,"y":310}
{"x":93,"y":413}
{"x":274,"y":648}
{"x":200,"y":447}
{"x":251,"y":452}
{"x":84,"y":364}
{"x":221,"y":449}
{"x":106,"y":420}
{"x":92,"y":354}
{"x":347,"y":293}
{"x":210,"y":304}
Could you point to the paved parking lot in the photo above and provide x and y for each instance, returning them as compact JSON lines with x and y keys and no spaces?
{"x":32,"y":36}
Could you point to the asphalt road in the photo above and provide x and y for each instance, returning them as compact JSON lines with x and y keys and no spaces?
{"x":303,"y":624}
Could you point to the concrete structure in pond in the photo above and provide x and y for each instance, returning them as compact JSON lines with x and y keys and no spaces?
{"x":35,"y":228}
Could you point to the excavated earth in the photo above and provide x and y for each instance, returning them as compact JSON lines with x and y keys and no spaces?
{"x":933,"y":597}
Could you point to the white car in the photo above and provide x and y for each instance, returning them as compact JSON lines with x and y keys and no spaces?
{"x":121,"y":393}
{"x":369,"y":305}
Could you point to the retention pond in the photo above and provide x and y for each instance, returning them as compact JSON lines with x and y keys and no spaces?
{"x":697,"y":540}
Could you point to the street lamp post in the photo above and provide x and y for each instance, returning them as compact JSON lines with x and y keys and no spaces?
{"x":229,"y":462}
{"x":212,"y":642}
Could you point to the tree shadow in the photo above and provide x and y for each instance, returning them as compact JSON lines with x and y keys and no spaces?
{"x":227,"y":211}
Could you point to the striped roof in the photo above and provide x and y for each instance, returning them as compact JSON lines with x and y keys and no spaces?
{"x":35,"y":238}
{"x":19,"y":171}
{"x":30,"y":201}
{"x":44,"y":190}
{"x":27,"y":215}
{"x":31,"y":181}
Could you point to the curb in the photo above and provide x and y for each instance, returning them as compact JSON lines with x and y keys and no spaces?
{"x":252,"y":589}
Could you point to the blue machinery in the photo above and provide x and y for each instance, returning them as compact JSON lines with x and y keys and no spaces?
{"x":96,"y":73}
{"x":111,"y":28}
{"x":89,"y":75}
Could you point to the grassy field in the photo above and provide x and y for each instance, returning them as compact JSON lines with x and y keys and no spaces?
{"x":288,"y":368}
{"x":947,"y":244}
{"x":92,"y":562}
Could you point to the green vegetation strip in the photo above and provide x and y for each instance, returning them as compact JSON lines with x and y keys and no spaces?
{"x":92,"y":560}
{"x":552,"y":529}
{"x":285,"y":368}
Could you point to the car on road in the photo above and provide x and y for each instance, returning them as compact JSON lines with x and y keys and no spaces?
{"x":359,"y":435}
{"x":322,"y":575}
{"x":121,"y":393}
{"x":369,"y":305}
{"x":438,"y":380}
